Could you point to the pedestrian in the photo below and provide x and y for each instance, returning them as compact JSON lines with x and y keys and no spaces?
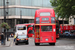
{"x":2,"y":39}
{"x":14,"y":37}
{"x":0,"y":36}
{"x":10,"y":35}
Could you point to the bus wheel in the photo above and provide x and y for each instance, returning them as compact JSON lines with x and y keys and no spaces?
{"x":51,"y":43}
{"x":57,"y":38}
{"x":37,"y":44}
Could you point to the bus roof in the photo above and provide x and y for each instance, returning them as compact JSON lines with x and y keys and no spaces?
{"x":43,"y":10}
{"x":25,"y":24}
{"x":37,"y":12}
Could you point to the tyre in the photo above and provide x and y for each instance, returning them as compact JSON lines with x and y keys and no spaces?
{"x":37,"y":44}
{"x":16,"y":43}
{"x":51,"y":43}
{"x":27,"y":42}
{"x":57,"y":38}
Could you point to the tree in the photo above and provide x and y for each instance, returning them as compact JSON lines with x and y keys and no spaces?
{"x":64,"y":8}
{"x":5,"y":25}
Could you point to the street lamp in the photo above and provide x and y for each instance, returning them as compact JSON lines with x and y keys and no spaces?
{"x":7,"y":7}
{"x":4,"y":19}
{"x":4,"y":11}
{"x":7,"y":16}
{"x":20,"y":16}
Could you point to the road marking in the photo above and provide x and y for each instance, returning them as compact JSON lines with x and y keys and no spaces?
{"x":30,"y":39}
{"x":0,"y":46}
{"x":65,"y":47}
{"x":57,"y":42}
{"x":11,"y":43}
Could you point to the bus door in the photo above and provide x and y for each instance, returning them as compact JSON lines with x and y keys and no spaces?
{"x":37,"y":34}
{"x":46,"y":33}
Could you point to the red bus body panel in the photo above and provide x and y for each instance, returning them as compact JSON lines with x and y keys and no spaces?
{"x":48,"y":35}
{"x":67,"y":27}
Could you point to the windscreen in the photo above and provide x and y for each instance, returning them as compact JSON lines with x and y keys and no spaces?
{"x":22,"y":36}
{"x":31,"y":32}
{"x":46,"y":28}
{"x":22,"y":28}
{"x":30,"y":25}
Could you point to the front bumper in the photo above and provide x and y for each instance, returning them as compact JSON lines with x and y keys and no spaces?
{"x":22,"y":41}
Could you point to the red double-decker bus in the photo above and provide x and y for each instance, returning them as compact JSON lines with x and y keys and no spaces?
{"x":67,"y":29}
{"x":57,"y":29}
{"x":45,"y":26}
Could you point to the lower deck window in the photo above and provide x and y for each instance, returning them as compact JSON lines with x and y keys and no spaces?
{"x":46,"y":28}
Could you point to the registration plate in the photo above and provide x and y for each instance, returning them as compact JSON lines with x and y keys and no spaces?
{"x":46,"y":39}
{"x":22,"y":39}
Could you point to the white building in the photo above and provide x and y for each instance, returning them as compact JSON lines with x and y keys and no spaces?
{"x":72,"y":20}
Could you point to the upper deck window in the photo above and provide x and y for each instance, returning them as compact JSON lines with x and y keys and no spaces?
{"x":37,"y":20}
{"x":52,"y":19}
{"x":45,"y":19}
{"x":45,"y":14}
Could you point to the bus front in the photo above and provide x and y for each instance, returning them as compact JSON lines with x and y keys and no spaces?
{"x":45,"y":27}
{"x":20,"y":29}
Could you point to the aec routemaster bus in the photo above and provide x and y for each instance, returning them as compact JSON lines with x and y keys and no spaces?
{"x":45,"y":26}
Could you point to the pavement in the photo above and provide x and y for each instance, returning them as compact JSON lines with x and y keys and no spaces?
{"x":8,"y":43}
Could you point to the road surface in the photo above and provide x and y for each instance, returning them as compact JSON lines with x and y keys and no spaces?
{"x":61,"y":44}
